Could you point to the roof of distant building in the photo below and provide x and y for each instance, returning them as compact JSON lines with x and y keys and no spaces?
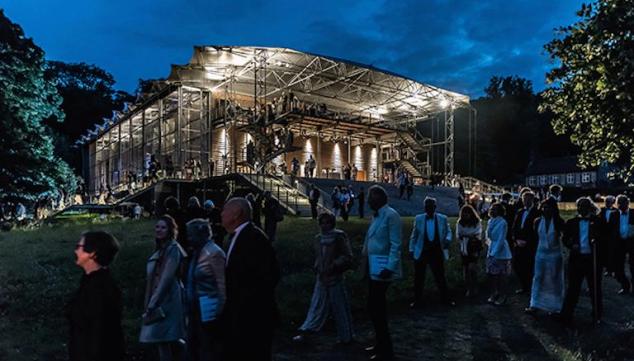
{"x":557,"y":165}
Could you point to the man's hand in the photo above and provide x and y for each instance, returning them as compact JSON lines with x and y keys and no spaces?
{"x":385,"y":274}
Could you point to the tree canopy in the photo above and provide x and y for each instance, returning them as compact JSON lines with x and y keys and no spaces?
{"x":592,"y":84}
{"x":28,"y":166}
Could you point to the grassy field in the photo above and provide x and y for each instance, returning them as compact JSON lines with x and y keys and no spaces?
{"x":37,"y":274}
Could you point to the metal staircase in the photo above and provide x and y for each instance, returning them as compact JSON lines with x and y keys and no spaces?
{"x":289,"y":197}
{"x":416,"y":162}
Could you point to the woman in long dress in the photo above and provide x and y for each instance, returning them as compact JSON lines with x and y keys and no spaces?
{"x":547,"y":293}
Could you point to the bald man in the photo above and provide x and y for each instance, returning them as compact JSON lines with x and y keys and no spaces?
{"x":251,"y":276}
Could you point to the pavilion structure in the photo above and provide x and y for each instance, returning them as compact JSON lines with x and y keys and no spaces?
{"x":235,"y":109}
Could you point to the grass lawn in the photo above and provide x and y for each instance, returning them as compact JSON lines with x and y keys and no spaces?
{"x":37,"y":274}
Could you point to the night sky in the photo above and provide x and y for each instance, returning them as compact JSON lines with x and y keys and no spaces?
{"x":457,"y":45}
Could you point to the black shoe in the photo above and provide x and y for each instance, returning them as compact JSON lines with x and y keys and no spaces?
{"x":449,"y":303}
{"x":530,"y":311}
{"x":623,"y":291}
{"x":520,"y":291}
{"x":416,"y":305}
{"x":370,"y":349}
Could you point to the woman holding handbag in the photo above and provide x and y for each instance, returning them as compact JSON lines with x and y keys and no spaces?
{"x":469,"y":234}
{"x":163,"y":319}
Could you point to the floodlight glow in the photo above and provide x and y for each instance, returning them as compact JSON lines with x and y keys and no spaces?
{"x":444,"y":103}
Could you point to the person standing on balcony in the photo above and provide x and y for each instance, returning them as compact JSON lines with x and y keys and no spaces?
{"x":312,"y":164}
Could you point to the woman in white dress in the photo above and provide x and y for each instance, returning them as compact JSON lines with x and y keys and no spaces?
{"x":498,"y":262}
{"x":547,"y":293}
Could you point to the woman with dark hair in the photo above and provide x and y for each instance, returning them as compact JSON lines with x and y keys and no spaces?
{"x":469,"y":234}
{"x":498,"y":262}
{"x":333,"y":256}
{"x":94,"y":311}
{"x":163,"y":319}
{"x":547,"y":292}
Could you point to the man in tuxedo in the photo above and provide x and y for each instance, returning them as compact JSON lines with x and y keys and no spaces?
{"x":525,"y":241}
{"x":382,"y":242}
{"x":621,"y":223}
{"x":581,"y":236}
{"x":251,"y":276}
{"x":430,"y":238}
{"x":607,"y":258}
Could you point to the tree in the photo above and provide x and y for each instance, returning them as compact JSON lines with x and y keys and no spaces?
{"x":88,"y":96}
{"x":591,"y":87}
{"x":28,"y":166}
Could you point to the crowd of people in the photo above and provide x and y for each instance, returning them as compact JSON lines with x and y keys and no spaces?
{"x":204,"y":300}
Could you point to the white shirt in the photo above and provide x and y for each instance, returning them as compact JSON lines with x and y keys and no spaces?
{"x":430,"y":227}
{"x":525,"y":214}
{"x":236,"y":233}
{"x":624,"y":224}
{"x":584,"y":236}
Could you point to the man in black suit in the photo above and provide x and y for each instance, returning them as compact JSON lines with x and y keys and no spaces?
{"x":509,"y":213}
{"x":607,"y":258}
{"x":581,"y":236}
{"x":621,"y":223}
{"x":251,"y":276}
{"x":525,"y":241}
{"x":313,"y":198}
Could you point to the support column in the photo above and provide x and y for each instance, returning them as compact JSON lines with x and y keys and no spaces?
{"x":160,"y":129}
{"x":119,"y":162}
{"x":179,"y":155}
{"x":379,"y":161}
{"x":449,"y":145}
{"x":318,"y":157}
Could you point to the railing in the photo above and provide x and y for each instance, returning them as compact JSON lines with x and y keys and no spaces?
{"x":324,"y":200}
{"x":478,"y":185}
{"x":284,"y":193}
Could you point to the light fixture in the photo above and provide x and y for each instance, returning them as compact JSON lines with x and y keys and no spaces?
{"x":444,"y":103}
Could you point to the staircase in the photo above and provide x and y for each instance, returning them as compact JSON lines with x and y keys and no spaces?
{"x":417,"y":148}
{"x":289,"y":197}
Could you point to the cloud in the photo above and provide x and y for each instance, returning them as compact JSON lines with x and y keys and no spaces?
{"x":456,"y":44}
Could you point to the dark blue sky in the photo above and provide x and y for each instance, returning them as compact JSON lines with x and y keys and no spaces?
{"x":456,"y":45}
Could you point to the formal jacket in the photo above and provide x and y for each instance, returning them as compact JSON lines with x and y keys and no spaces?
{"x":333,"y":256}
{"x":615,"y":223}
{"x":165,"y":290}
{"x":419,"y":231}
{"x":571,"y":235}
{"x":251,"y":274}
{"x":313,"y":195}
{"x":94,"y":315}
{"x":384,"y":239}
{"x":207,"y":278}
{"x":527,"y":231}
{"x":496,"y":239}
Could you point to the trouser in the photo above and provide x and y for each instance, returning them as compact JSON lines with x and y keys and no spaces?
{"x":203,"y":339}
{"x":624,"y":248}
{"x":432,"y":255}
{"x":313,"y":209}
{"x":581,"y":267}
{"x":361,"y":209}
{"x":524,"y":266}
{"x":270,"y":228}
{"x":171,"y":351}
{"x":377,"y":307}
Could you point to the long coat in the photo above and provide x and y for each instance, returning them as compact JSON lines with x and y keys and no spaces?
{"x":94,"y":315}
{"x":164,"y":290}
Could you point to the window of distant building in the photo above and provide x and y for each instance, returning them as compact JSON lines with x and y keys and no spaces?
{"x":542,"y":180}
{"x":554,"y":179}
{"x":531,"y":181}
{"x":585,"y":177}
{"x":570,"y":178}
